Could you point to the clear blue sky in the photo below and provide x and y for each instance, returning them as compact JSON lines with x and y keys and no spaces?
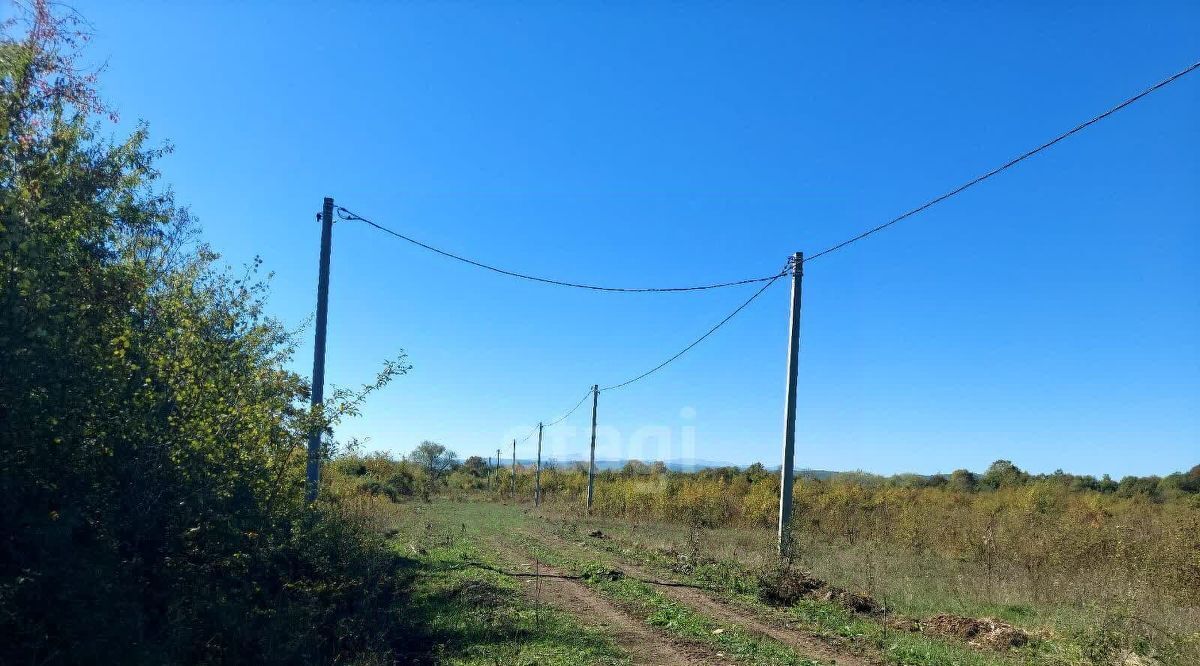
{"x":1050,"y":316}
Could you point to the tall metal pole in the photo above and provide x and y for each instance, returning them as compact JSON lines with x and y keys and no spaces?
{"x":537,"y":472}
{"x":313,"y":473}
{"x":789,"y":419}
{"x":592,"y":457}
{"x":513,"y":490}
{"x":499,"y":488}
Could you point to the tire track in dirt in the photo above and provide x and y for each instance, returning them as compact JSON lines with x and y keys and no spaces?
{"x":644,"y":644}
{"x":805,"y":644}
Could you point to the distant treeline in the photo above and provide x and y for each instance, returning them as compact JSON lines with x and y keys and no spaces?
{"x":405,"y":476}
{"x":1004,"y":473}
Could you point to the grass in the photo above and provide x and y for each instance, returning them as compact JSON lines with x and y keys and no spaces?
{"x":464,"y":613}
{"x":456,"y":534}
{"x":923,"y":585}
{"x":669,"y":615}
{"x":486,"y":523}
{"x":1064,"y":633}
{"x":823,"y":618}
{"x":492,"y":521}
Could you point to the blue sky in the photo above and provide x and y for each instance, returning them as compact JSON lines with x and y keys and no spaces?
{"x":1049,"y":316}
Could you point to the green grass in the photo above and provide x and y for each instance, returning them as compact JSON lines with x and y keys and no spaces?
{"x":1063,"y":635}
{"x":1059,"y":643}
{"x":820,"y":617}
{"x":901,"y":647}
{"x":673,"y":617}
{"x":823,"y":618}
{"x":465,"y":614}
{"x":486,"y":523}
{"x":1080,"y":632}
{"x":739,"y":585}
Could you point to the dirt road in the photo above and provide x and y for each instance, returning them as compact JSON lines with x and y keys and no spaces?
{"x":643,"y":643}
{"x":704,"y":602}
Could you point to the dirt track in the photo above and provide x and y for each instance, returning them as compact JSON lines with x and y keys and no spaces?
{"x":803,"y":643}
{"x":644,"y":644}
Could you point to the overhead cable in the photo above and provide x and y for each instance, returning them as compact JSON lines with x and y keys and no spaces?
{"x":1009,"y":164}
{"x":712,"y":330}
{"x":347,"y":214}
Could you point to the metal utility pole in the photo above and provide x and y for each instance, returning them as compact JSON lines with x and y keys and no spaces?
{"x":513,"y":491}
{"x":789,"y":419}
{"x":313,"y":473}
{"x":592,"y":457}
{"x":537,"y":472}
{"x":499,"y":488}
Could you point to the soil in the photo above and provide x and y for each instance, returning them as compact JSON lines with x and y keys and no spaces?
{"x":986,"y":632}
{"x":702,"y":601}
{"x":784,"y":587}
{"x":644,"y":644}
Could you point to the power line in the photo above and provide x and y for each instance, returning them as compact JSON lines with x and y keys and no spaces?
{"x":347,"y":214}
{"x":1013,"y":162}
{"x":556,"y":421}
{"x":572,"y":411}
{"x":700,"y":339}
{"x":769,"y":281}
{"x":526,"y":437}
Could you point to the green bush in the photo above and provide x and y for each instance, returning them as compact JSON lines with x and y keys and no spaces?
{"x":151,"y":439}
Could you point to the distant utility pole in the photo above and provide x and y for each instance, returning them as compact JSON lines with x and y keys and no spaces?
{"x":513,"y":491}
{"x":592,"y":457}
{"x":537,"y":472}
{"x":498,"y":486}
{"x":313,"y":473}
{"x":789,"y":418}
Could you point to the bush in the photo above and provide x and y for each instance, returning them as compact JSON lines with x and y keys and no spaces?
{"x":152,"y":440}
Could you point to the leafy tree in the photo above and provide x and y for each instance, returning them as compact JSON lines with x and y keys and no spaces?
{"x":1086,"y":482}
{"x":1191,"y":480}
{"x":1146,"y":486}
{"x":935,"y":481}
{"x":963,"y":480}
{"x":476,"y":466}
{"x":907,"y":481}
{"x":634,"y":468}
{"x":152,"y":438}
{"x":1002,"y":473}
{"x":435,"y":462}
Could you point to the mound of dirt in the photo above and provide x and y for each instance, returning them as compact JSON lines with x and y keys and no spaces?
{"x":479,"y":594}
{"x":784,"y":587}
{"x":986,"y":632}
{"x":854,"y":602}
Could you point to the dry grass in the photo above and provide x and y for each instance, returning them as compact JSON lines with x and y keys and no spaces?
{"x":1102,"y":615}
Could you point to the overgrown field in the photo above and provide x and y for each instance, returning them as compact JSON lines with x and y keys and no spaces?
{"x":1109,"y":569}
